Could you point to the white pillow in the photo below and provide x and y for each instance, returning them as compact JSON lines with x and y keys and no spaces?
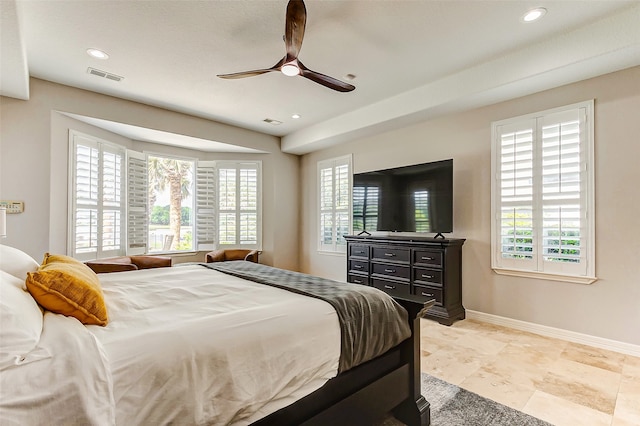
{"x":17,"y":263}
{"x":21,"y":321}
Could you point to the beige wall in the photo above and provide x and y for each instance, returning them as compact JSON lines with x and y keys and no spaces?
{"x":34,"y":157}
{"x":609,"y":308}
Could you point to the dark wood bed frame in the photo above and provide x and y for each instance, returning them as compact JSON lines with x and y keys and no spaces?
{"x":363,"y":395}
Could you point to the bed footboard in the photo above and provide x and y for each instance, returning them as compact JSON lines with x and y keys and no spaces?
{"x":364,"y":394}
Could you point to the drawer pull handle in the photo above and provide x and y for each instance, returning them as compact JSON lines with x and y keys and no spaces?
{"x":427,"y":276}
{"x":391,"y":271}
{"x":390,"y":254}
{"x":357,"y":281}
{"x":427,"y":258}
{"x":389,"y":287}
{"x":357,"y":266}
{"x":427,"y":294}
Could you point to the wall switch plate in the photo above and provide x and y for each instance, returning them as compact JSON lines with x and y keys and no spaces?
{"x":12,"y":207}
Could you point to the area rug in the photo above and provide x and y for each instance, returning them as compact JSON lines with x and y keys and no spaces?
{"x":454,"y":406}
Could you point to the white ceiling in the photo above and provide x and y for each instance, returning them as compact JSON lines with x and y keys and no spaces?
{"x":412,"y":59}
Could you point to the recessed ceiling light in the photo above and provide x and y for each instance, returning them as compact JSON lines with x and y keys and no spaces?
{"x":296,"y":116}
{"x":97,"y":53}
{"x":534,"y":14}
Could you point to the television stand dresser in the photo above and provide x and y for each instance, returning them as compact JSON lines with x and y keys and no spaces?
{"x":411,"y":268}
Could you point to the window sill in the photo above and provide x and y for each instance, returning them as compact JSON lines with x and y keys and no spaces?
{"x":332,"y":253}
{"x":545,"y":276}
{"x":172,"y":253}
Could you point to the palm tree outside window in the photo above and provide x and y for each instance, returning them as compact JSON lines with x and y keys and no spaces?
{"x":170,"y":202}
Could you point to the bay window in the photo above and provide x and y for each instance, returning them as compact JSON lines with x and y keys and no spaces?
{"x":128,"y":202}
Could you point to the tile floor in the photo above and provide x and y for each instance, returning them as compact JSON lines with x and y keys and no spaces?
{"x":563,"y":383}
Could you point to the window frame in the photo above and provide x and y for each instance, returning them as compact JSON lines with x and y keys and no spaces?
{"x":237,"y":164}
{"x":99,"y":144}
{"x":333,"y":163}
{"x":535,"y":267}
{"x":130,"y":216}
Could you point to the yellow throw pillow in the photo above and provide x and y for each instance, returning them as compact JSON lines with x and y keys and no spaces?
{"x":61,"y":258}
{"x":66,"y":286}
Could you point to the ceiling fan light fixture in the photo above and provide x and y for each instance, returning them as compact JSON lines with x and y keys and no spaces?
{"x":290,"y":69}
{"x":295,"y":22}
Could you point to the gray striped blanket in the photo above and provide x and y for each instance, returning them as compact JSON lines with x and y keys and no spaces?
{"x":371,"y":322}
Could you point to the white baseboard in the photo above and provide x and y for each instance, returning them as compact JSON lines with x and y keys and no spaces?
{"x":558,"y":333}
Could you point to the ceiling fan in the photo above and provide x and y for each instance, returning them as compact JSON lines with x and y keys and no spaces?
{"x":290,"y":65}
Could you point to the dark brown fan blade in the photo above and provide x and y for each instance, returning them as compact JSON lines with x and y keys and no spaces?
{"x":294,"y":28}
{"x":244,"y":74}
{"x":253,"y":73}
{"x":325,"y":80}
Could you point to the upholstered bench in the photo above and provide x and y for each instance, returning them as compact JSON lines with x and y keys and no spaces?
{"x":128,"y":263}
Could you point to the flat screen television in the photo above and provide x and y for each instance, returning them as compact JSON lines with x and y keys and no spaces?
{"x":417,"y":198}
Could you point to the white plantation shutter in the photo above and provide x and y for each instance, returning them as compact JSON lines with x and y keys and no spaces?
{"x":516,"y":195}
{"x":86,"y":156}
{"x":334,"y":189}
{"x":543,"y":193}
{"x":248,"y":194}
{"x":227,"y":225}
{"x":205,"y":216}
{"x":97,"y":206}
{"x":239,"y":220}
{"x":564,"y":208}
{"x":138,"y":203}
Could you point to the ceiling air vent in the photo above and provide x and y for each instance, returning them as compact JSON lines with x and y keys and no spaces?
{"x":104,"y":74}
{"x":272,"y":121}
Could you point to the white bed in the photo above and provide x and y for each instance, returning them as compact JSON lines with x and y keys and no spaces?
{"x":183,"y":345}
{"x":249,"y":353}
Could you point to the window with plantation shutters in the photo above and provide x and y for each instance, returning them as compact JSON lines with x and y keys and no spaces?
{"x":205,"y":216}
{"x":543,"y":194}
{"x":238,"y":206}
{"x":125,"y":202}
{"x":138,"y":203}
{"x":97,"y":207}
{"x":334,"y":188}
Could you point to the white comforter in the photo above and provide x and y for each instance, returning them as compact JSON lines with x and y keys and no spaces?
{"x":67,"y":381}
{"x":189,"y":345}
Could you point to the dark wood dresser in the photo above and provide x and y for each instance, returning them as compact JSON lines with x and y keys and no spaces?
{"x":411,"y":268}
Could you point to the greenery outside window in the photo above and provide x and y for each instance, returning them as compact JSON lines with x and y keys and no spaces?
{"x":171,"y":204}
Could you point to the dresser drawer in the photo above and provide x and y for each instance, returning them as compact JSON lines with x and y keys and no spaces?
{"x":427,"y":257}
{"x":395,"y":271}
{"x":357,"y":250}
{"x":359,"y":266}
{"x":428,"y":293}
{"x":358,"y":279}
{"x":393,"y":289}
{"x":390,"y":254}
{"x":431,"y":276}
